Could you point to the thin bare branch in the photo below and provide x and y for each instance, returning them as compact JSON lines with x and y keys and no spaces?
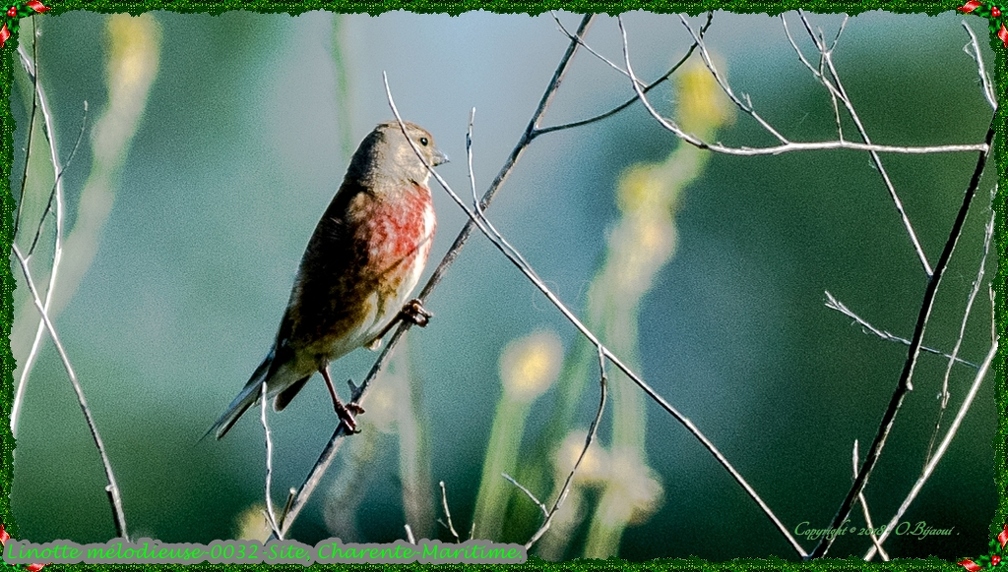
{"x":942,"y":447}
{"x":988,"y":235}
{"x":528,"y":493}
{"x":590,"y":49}
{"x":59,"y":176}
{"x":291,"y":492}
{"x":115,"y":497}
{"x":31,"y":122}
{"x":629,"y":102}
{"x":852,"y":112}
{"x":505,"y":248}
{"x":746,"y":107}
{"x":864,"y":506}
{"x":592,"y":430}
{"x":788,"y":147}
{"x":409,"y":534}
{"x":904,"y":384}
{"x":444,"y":505}
{"x":270,"y":514}
{"x":29,"y":360}
{"x":329,"y":453}
{"x":985,"y":82}
{"x":866,"y":327}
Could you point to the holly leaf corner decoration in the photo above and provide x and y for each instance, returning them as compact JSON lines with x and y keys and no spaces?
{"x":14,"y":13}
{"x":994,"y":15}
{"x":5,"y":536}
{"x":997,"y":545}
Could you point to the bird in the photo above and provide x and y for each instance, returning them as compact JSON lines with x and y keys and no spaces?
{"x":362,"y":262}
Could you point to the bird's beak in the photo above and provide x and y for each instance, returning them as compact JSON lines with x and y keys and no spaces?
{"x":439,"y":157}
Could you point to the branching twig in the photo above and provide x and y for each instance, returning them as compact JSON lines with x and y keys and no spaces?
{"x":833,"y":304}
{"x":270,"y":515}
{"x":942,"y":447}
{"x":59,"y":176}
{"x":746,"y":107}
{"x":988,"y":235}
{"x":511,"y":254}
{"x":112,"y":488}
{"x":904,"y":384}
{"x":827,"y":57}
{"x":592,"y":430}
{"x":629,"y":102}
{"x":528,"y":493}
{"x":988,"y":90}
{"x":864,"y":506}
{"x":31,"y":125}
{"x":788,"y":147}
{"x":29,"y":361}
{"x":329,"y":453}
{"x":444,"y":505}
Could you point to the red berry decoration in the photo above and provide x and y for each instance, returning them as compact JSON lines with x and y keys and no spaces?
{"x":995,"y":12}
{"x":11,"y":12}
{"x":995,"y":559}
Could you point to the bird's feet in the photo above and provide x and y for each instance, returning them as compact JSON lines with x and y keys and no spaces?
{"x":414,"y":312}
{"x":346,"y":412}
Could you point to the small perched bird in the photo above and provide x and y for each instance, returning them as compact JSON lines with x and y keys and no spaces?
{"x":361,"y":264}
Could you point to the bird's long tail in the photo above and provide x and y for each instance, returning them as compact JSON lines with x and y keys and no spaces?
{"x":249,"y":396}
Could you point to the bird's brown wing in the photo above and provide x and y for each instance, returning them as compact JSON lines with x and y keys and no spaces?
{"x":284,"y":397}
{"x":321,"y":306}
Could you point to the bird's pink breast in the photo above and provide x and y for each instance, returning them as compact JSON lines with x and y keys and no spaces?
{"x":399,"y":233}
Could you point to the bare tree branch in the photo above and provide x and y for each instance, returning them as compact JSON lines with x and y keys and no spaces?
{"x":270,"y":514}
{"x":942,"y":447}
{"x":834,"y":304}
{"x":864,"y":506}
{"x":592,"y":430}
{"x":31,"y":122}
{"x":112,"y":488}
{"x":988,"y":235}
{"x":788,"y":147}
{"x":985,"y":82}
{"x":528,"y":493}
{"x":329,"y":453}
{"x":629,"y":102}
{"x":444,"y":505}
{"x":29,"y":361}
{"x":827,"y":57}
{"x":515,"y":258}
{"x":904,"y":384}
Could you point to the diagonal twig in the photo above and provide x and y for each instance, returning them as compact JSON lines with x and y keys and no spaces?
{"x":592,"y":430}
{"x":864,"y":507}
{"x":32,"y":68}
{"x":974,"y":290}
{"x":789,"y":146}
{"x":833,"y":304}
{"x":511,"y":254}
{"x":876,"y":159}
{"x":270,"y":515}
{"x":629,"y":102}
{"x":942,"y":447}
{"x":115,"y":497}
{"x":31,"y":123}
{"x":329,"y":453}
{"x":904,"y":385}
{"x":447,"y":511}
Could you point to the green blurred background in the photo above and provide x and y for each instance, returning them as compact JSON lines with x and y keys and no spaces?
{"x":243,"y":139}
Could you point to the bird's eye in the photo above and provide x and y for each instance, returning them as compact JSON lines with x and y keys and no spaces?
{"x":423,"y":141}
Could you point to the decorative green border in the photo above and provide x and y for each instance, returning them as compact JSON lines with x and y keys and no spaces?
{"x":852,"y":7}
